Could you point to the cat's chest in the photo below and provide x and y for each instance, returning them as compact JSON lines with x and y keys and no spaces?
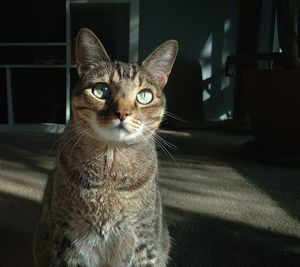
{"x":102,"y":219}
{"x":101,"y":204}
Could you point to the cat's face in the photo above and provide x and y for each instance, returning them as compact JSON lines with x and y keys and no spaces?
{"x":120,"y":102}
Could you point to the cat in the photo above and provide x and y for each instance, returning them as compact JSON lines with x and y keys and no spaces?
{"x":102,"y":205}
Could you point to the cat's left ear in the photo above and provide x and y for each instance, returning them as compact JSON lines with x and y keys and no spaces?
{"x":90,"y":52}
{"x":160,"y":62}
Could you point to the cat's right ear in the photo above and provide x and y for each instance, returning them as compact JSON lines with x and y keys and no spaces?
{"x":89,"y":51}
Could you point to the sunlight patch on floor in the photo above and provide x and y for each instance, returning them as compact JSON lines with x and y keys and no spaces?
{"x":175,"y":133}
{"x":224,"y":193}
{"x":30,"y":188}
{"x":25,"y":178}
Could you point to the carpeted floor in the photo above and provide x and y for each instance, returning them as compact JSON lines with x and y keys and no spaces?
{"x":223,"y":208}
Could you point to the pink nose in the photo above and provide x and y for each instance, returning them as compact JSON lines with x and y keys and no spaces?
{"x":122,"y":114}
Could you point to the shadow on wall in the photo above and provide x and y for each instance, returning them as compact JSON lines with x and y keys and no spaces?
{"x":206,"y":33}
{"x":187,"y":103}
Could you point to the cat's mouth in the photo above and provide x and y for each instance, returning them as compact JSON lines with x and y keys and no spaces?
{"x":118,"y":131}
{"x":121,"y":127}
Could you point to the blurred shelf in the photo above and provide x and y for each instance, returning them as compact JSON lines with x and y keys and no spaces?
{"x":22,"y":56}
{"x":33,"y":44}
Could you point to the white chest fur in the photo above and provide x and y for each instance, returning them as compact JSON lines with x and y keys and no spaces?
{"x":93,"y":248}
{"x":109,"y":248}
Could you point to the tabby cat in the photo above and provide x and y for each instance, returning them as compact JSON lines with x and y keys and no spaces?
{"x":102,"y":206}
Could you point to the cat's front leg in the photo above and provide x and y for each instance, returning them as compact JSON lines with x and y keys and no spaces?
{"x":153,"y":247}
{"x":64,"y":253}
{"x":121,"y":251}
{"x":145,"y":256}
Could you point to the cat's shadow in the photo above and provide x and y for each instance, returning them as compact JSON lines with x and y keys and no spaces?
{"x":184,"y":94}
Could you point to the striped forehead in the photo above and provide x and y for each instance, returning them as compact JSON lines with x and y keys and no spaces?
{"x":125,"y":78}
{"x":125,"y":71}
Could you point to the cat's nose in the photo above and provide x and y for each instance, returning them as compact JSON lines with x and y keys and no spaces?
{"x":122,"y":114}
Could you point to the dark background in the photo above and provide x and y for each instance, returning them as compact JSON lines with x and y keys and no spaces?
{"x":198,"y":91}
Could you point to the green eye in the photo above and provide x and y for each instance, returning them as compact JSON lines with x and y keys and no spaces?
{"x":101,"y":90}
{"x":145,"y":96}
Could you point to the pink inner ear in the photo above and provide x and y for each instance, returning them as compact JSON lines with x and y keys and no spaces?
{"x":162,"y":80}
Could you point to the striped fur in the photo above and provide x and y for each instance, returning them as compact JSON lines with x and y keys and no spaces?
{"x":102,"y":206}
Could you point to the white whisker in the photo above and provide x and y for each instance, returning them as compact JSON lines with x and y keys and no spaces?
{"x":71,"y":136}
{"x":167,"y":143}
{"x":77,"y":141}
{"x":171,"y":115}
{"x":160,"y":142}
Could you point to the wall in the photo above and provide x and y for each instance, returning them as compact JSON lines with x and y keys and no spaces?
{"x":206,"y":32}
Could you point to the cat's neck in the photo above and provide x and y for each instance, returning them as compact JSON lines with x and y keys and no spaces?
{"x":87,"y":150}
{"x":95,"y":163}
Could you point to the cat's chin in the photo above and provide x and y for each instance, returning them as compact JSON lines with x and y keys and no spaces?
{"x":118,"y":134}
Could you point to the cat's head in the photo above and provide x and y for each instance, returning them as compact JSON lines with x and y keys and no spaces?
{"x":120,"y":102}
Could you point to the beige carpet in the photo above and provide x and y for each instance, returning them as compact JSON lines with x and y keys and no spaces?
{"x":223,"y":208}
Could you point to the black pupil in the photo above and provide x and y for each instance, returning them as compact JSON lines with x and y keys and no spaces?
{"x":103,"y":88}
